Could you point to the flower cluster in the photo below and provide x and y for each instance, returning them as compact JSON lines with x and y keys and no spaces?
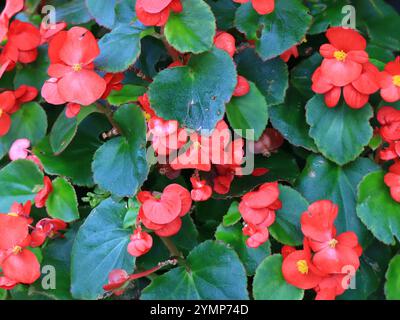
{"x":73,"y":79}
{"x":389,"y":120}
{"x":258,"y":212}
{"x":390,"y":81}
{"x":161,"y":213}
{"x":327,"y":261}
{"x":17,"y":262}
{"x":346,"y":68}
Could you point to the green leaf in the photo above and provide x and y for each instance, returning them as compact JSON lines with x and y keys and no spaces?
{"x":100,"y":247}
{"x":102,"y":11}
{"x":57,"y":254}
{"x":322,"y":179}
{"x":195,"y":94}
{"x":65,"y":129}
{"x":286,"y":228}
{"x":301,"y":75}
{"x":193,"y":29}
{"x":326,"y":13}
{"x":62,"y":202}
{"x":285,"y":27}
{"x":187,"y":237}
{"x":290,"y":120}
{"x":269,"y":283}
{"x":120,"y":48}
{"x":377,"y":209}
{"x":233,"y":215}
{"x":124,"y":172}
{"x":340,"y":133}
{"x":76,"y":160}
{"x":392,"y":285}
{"x":19,"y":182}
{"x":270,"y":77}
{"x":129,"y":93}
{"x":33,"y":74}
{"x":281,"y":165}
{"x":224,"y":12}
{"x":30,"y":122}
{"x":73,"y":12}
{"x":248,"y":112}
{"x":250,"y":257}
{"x":204,"y":278}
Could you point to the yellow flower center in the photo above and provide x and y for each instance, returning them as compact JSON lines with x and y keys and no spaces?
{"x":196,"y":145}
{"x":333,"y":243}
{"x":340,"y":55}
{"x":17,"y":250}
{"x":13,"y":214}
{"x":147,"y":116}
{"x":77,"y":67}
{"x":1,"y":112}
{"x":396,"y":80}
{"x":302,"y":266}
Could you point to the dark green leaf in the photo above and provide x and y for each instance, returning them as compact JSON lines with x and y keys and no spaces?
{"x":205,"y":277}
{"x":340,"y":133}
{"x":195,"y":94}
{"x":100,"y":247}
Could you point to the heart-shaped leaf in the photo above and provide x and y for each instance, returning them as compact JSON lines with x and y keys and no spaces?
{"x":100,"y":247}
{"x":62,"y":202}
{"x":204,"y":278}
{"x":284,"y":28}
{"x":120,"y":165}
{"x":19,"y":182}
{"x":193,"y":29}
{"x":340,"y":133}
{"x":249,"y":112}
{"x":195,"y":94}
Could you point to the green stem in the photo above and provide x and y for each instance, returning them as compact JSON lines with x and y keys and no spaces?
{"x":109,"y":114}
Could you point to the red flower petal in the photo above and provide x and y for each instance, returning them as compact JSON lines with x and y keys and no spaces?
{"x":346,"y":39}
{"x":263,"y":6}
{"x":22,"y":267}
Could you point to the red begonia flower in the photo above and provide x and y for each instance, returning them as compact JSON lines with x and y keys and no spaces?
{"x":48,"y":31}
{"x":43,"y":194}
{"x":73,"y":78}
{"x":389,"y":119}
{"x":116,"y":280}
{"x":332,"y":253}
{"x":22,"y":210}
{"x":156,"y":12}
{"x":257,"y":235}
{"x":226,"y":42}
{"x":46,"y":228}
{"x":145,"y":105}
{"x":270,"y":141}
{"x":392,"y":152}
{"x":201,"y":190}
{"x":166,"y":136}
{"x":7,"y":103}
{"x":297,"y":270}
{"x":11,"y":8}
{"x":242,"y":87}
{"x":114,"y":82}
{"x":331,"y":286}
{"x":390,"y":81}
{"x":169,"y":229}
{"x":261,"y":6}
{"x":292,"y":52}
{"x":141,"y":243}
{"x":392,"y":180}
{"x":21,"y":265}
{"x":344,"y":56}
{"x":13,"y":230}
{"x":286,"y":250}
{"x":258,"y":172}
{"x":72,"y":110}
{"x":6,"y":283}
